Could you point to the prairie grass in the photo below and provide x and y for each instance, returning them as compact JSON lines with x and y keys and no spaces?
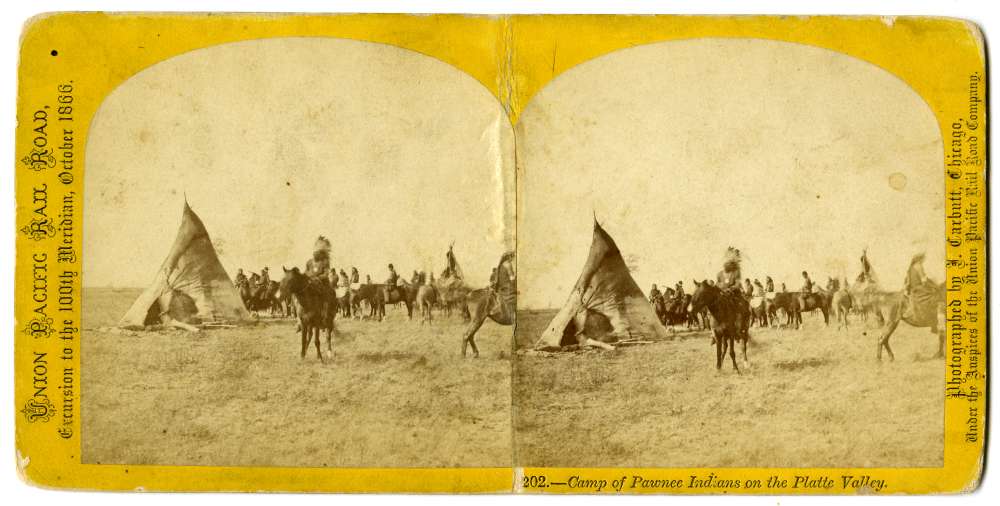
{"x":394,"y":394}
{"x":809,"y":398}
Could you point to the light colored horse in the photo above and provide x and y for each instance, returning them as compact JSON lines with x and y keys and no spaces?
{"x":920,"y":309}
{"x":497,"y":302}
{"x":842,"y":301}
{"x":427,"y":296}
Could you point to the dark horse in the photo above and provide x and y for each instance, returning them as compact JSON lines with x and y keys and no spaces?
{"x":257,"y":298}
{"x":813,"y":301}
{"x":378,"y":295}
{"x":314,"y":303}
{"x":405,"y":293}
{"x":920,"y":309}
{"x":791,"y":304}
{"x":496,"y":302}
{"x":730,"y":316}
{"x":788,"y":302}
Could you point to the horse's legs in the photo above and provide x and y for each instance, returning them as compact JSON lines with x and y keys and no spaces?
{"x":305,"y":338}
{"x":746,"y":338}
{"x":883,"y":341}
{"x":316,"y":336}
{"x":731,"y":340}
{"x":469,"y":337}
{"x":332,"y":329}
{"x":719,"y":351}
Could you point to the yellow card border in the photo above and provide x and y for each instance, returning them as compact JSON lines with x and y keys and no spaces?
{"x":84,"y":56}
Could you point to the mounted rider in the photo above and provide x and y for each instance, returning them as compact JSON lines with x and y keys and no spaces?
{"x":867,"y":275}
{"x":393,"y":278}
{"x":452,"y":270}
{"x":319,"y":264}
{"x":391,"y":283}
{"x":240,"y":280}
{"x":679,"y":291}
{"x":504,"y":288}
{"x":806,"y":291}
{"x":728,"y":279}
{"x":654,"y":295}
{"x":919,"y":291}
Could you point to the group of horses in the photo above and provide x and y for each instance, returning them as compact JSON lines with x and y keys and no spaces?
{"x":358,"y":299}
{"x":259,"y":297}
{"x":767,"y":309}
{"x":730,"y":314}
{"x":316,"y":302}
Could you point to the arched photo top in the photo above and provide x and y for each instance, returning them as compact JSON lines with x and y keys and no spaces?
{"x":799,"y":156}
{"x":391,"y":153}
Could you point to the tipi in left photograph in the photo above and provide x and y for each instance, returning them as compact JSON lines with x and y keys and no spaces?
{"x":339,"y":289}
{"x":191,"y":287}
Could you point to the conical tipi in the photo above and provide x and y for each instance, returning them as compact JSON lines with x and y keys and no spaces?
{"x":191,"y":286}
{"x":605,"y":305}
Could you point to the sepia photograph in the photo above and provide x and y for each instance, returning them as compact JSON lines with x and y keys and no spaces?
{"x":289,"y":244}
{"x":719,"y":240}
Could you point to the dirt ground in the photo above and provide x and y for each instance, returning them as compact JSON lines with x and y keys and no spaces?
{"x":810,"y":398}
{"x":396,"y":394}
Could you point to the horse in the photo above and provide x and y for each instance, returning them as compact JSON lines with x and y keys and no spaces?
{"x":812,"y":301}
{"x":427,"y":296}
{"x":868,"y":299}
{"x":841,"y":302}
{"x":660,"y":309}
{"x":246,"y":295}
{"x":268,"y":299}
{"x":919,"y":309}
{"x":286,"y":304}
{"x":315,"y":306}
{"x":496,"y":302}
{"x":730,"y":316}
{"x":374,"y":295}
{"x":401,"y":293}
{"x":761,"y":311}
{"x":257,"y":297}
{"x":346,"y":300}
{"x":676,"y":310}
{"x":788,"y":302}
{"x":452,"y":295}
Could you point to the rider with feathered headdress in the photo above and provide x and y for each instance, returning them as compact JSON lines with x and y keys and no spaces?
{"x":730,"y":276}
{"x":319,"y":264}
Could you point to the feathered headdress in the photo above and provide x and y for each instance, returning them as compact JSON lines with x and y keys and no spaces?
{"x":731,"y":261}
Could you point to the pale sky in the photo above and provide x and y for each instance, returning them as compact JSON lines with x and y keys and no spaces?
{"x":684,"y":148}
{"x":391,"y":154}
